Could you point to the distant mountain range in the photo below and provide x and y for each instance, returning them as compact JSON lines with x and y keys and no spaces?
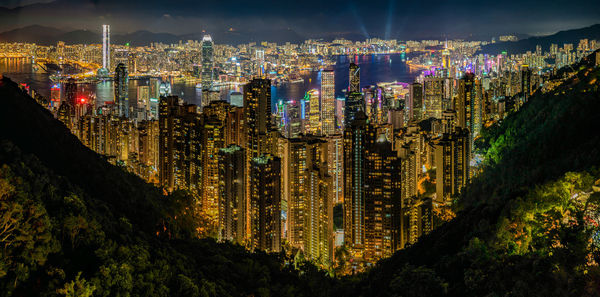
{"x":529,"y":44}
{"x":48,"y":36}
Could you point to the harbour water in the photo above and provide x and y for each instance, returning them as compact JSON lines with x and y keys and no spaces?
{"x":373,"y":68}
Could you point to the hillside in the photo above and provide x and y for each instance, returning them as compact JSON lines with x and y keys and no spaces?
{"x":43,"y":35}
{"x":529,"y":44}
{"x":527,"y":225}
{"x":71,"y":223}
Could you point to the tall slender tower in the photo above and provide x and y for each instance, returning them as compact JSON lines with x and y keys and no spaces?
{"x":207,"y":62}
{"x":257,"y":122}
{"x":328,"y":102}
{"x":354,"y":82}
{"x":314,"y":114}
{"x":265,"y":203}
{"x":354,"y":98}
{"x":106,"y":46}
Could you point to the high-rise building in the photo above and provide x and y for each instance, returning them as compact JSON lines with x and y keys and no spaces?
{"x":257,"y":122}
{"x":416,"y":101}
{"x":452,"y":155}
{"x":121,"y":81}
{"x":232,"y":196}
{"x":309,"y":197}
{"x":526,"y":82}
{"x":314,"y":113}
{"x":106,"y":46}
{"x":207,"y":62}
{"x":328,"y":102}
{"x":179,"y":146}
{"x":335,"y":162}
{"x":358,"y":135}
{"x":354,"y":80}
{"x":465,"y":101}
{"x":434,"y":96}
{"x":382,"y":205}
{"x":213,"y":139}
{"x":265,"y":203}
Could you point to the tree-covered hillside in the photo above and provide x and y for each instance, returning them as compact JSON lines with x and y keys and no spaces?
{"x":72,"y":224}
{"x":528,"y":224}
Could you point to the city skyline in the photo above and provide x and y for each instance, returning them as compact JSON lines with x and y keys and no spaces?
{"x":179,"y":165}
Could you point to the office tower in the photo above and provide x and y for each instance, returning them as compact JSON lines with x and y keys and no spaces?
{"x":434,"y":95}
{"x":416,"y":101}
{"x":354,"y":79}
{"x":358,"y":135}
{"x":314,"y":113}
{"x":354,"y":99}
{"x":446,"y":58}
{"x":179,"y":146}
{"x":382,"y":204}
{"x":257,"y":117}
{"x":465,"y":101}
{"x":526,"y":88}
{"x":354,"y":104}
{"x":328,"y":102}
{"x":293,"y":119}
{"x":335,"y":162}
{"x":121,"y":81}
{"x":265,"y":203}
{"x":207,"y":62}
{"x":232,"y":196}
{"x":106,"y":46}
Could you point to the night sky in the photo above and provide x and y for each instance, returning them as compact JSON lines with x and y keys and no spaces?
{"x":309,"y":18}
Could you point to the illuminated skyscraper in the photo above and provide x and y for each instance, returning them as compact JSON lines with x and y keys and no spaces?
{"x":265,"y":203}
{"x":213,"y":139}
{"x":354,"y":99}
{"x":207,"y":63}
{"x":452,"y":155}
{"x":328,"y":102}
{"x":336,"y":166}
{"x":309,"y":197}
{"x":358,"y":135}
{"x":257,"y":117}
{"x":232,"y":197}
{"x":314,"y":114}
{"x":179,"y":146}
{"x":354,"y":79}
{"x":382,"y":204}
{"x":434,"y":94}
{"x":465,"y":101}
{"x":416,"y":101}
{"x":106,"y":46}
{"x":122,"y":89}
